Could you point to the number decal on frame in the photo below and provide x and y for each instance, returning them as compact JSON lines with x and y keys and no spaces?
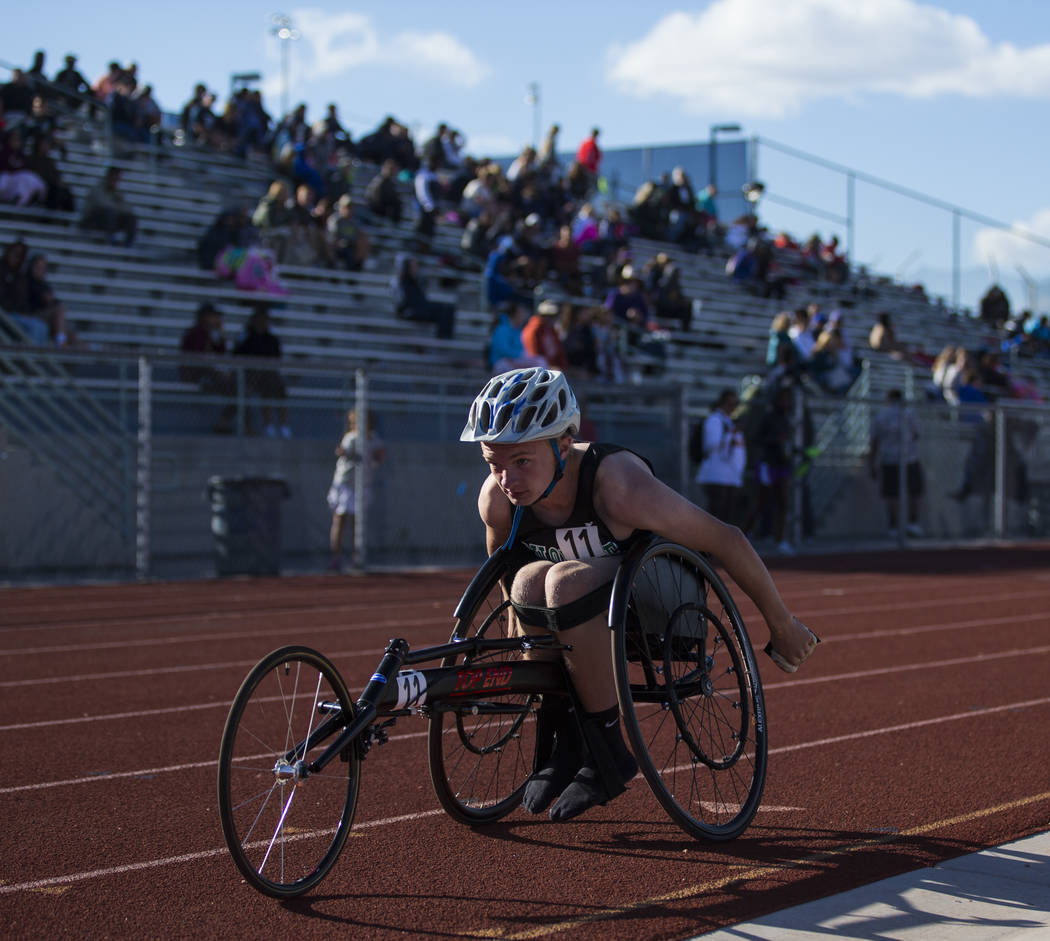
{"x":579,"y":542}
{"x":411,"y":689}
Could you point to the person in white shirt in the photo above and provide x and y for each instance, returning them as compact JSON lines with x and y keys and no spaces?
{"x":724,"y":457}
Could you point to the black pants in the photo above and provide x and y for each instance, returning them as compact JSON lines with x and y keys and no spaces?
{"x":439,"y":313}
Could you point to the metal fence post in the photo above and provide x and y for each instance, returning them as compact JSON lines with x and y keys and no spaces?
{"x":142,"y":475}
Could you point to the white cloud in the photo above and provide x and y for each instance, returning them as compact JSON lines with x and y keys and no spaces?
{"x":768,"y":58}
{"x":1007,"y":248}
{"x":335,"y":43}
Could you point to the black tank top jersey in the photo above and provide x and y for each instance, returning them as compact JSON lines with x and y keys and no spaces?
{"x":584,"y":534}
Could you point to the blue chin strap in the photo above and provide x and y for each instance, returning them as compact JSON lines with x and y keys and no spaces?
{"x":559,"y":472}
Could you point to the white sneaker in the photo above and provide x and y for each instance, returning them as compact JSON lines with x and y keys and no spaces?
{"x":785,"y":548}
{"x":915,"y":530}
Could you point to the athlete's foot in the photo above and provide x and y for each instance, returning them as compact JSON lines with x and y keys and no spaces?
{"x":586,"y":790}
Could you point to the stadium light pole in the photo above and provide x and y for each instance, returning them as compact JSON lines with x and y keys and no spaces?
{"x":532,"y":98}
{"x":282,"y":28}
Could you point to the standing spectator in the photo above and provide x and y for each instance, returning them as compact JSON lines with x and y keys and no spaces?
{"x":16,"y":97}
{"x":104,"y":85}
{"x":589,"y":155}
{"x":343,"y":500}
{"x":775,"y":469}
{"x":427,"y":190}
{"x":382,"y":196}
{"x":206,"y":338}
{"x":106,"y":209}
{"x":723,"y":458}
{"x":411,"y":302}
{"x":58,"y":195}
{"x":540,"y":336}
{"x":266,"y":384}
{"x":18,"y":184}
{"x":498,"y":288}
{"x":995,"y":307}
{"x":72,"y":82}
{"x":506,"y":347}
{"x":894,"y":439}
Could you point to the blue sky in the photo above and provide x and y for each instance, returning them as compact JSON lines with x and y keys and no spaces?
{"x":946,"y":98}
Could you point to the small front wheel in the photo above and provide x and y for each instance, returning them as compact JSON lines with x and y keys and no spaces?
{"x":284,"y":825}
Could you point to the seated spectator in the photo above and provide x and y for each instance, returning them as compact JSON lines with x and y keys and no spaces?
{"x":382,"y":196}
{"x":498,"y":288}
{"x":231,"y":229}
{"x":58,"y":195}
{"x":125,"y":119}
{"x":883,"y":338}
{"x":349,"y":243}
{"x":585,"y":229}
{"x":149,"y":114}
{"x":18,"y":184}
{"x":308,"y":240}
{"x":273,"y":218}
{"x":631,"y":314}
{"x":479,"y":194}
{"x":680,"y":199}
{"x":994,"y":379}
{"x":105,"y":209}
{"x":540,"y":336}
{"x":265,"y":384}
{"x":995,"y":307}
{"x":647,"y":212}
{"x":835,"y":265}
{"x":427,"y":190}
{"x":780,"y":340}
{"x":411,"y":302}
{"x":1040,"y":335}
{"x":565,"y":261}
{"x":14,"y":294}
{"x":305,"y":170}
{"x":664,"y":286}
{"x":829,"y":364}
{"x":42,"y":302}
{"x":506,"y":347}
{"x":804,"y":334}
{"x":41,"y":122}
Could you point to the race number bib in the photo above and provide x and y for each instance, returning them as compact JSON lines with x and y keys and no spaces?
{"x":579,"y":542}
{"x":411,"y":689}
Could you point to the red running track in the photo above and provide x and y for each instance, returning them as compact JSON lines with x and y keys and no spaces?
{"x":916,"y":733}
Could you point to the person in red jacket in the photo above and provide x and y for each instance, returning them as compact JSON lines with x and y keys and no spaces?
{"x":540,"y":338}
{"x":588,"y":155}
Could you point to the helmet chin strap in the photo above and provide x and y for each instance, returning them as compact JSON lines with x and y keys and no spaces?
{"x":559,"y":472}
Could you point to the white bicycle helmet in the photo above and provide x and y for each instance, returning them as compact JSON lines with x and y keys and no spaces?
{"x":523,"y":405}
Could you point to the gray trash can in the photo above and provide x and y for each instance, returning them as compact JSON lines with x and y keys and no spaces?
{"x":246,"y":524}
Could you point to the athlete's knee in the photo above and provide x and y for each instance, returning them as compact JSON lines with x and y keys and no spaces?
{"x":528,"y":585}
{"x":571,"y":580}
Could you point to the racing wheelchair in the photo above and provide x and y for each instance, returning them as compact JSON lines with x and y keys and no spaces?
{"x":688,"y":686}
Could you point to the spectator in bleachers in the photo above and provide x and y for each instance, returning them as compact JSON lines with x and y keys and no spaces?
{"x":265,"y":384}
{"x":40,"y":122}
{"x":663,"y":284}
{"x":589,"y":156}
{"x":882,"y":337}
{"x":349,"y":242}
{"x":680,"y":200}
{"x":382,"y":196}
{"x":14,"y":293}
{"x":835,"y":264}
{"x":647,"y":211}
{"x":308,"y":242}
{"x":427,"y":190}
{"x":478,"y":194}
{"x":231,"y":228}
{"x":43,"y":303}
{"x":58,"y":195}
{"x":547,"y":157}
{"x":124,"y":116}
{"x":498,"y":288}
{"x":581,"y":343}
{"x":273,"y":218}
{"x":206,"y":338}
{"x":632,"y":317}
{"x":1040,"y":335}
{"x":412,"y":303}
{"x":17,"y":98}
{"x":149,"y":114}
{"x":70,"y":80}
{"x":105,"y":209}
{"x":18,"y":184}
{"x":995,"y":307}
{"x":540,"y":336}
{"x":506,"y":347}
{"x":833,"y":366}
{"x":104,"y":85}
{"x":804,"y":334}
{"x":565,"y":261}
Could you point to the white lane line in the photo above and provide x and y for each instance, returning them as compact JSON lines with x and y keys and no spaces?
{"x":396,"y":622}
{"x":795,"y":682}
{"x":48,"y":882}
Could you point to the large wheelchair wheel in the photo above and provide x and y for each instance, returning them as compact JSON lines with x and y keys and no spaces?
{"x":284,"y":828}
{"x":481,"y":752}
{"x":689,"y":690}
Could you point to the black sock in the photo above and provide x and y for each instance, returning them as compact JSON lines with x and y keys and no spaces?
{"x":601,"y":777}
{"x":550,"y":780}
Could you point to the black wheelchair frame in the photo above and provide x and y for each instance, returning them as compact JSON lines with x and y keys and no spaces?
{"x":689,"y":691}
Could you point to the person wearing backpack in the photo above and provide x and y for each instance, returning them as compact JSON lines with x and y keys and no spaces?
{"x":723,"y":458}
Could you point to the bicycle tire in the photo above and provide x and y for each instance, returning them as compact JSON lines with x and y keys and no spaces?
{"x":284,"y":831}
{"x":689,"y":690}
